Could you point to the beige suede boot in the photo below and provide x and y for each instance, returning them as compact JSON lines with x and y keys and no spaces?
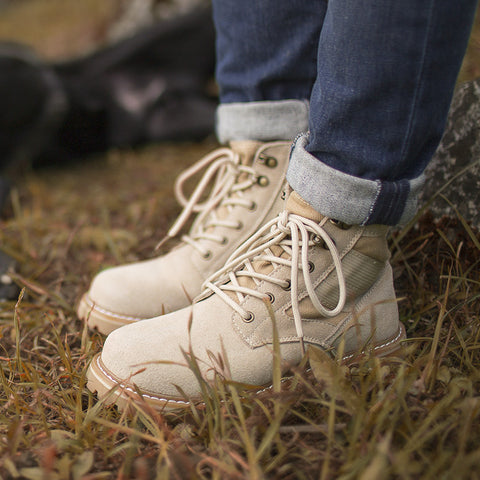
{"x":329,"y":285}
{"x":246,"y":184}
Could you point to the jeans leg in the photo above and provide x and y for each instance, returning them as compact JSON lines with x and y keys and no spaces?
{"x":266,"y":66}
{"x":386,"y":73}
{"x":267,"y":49}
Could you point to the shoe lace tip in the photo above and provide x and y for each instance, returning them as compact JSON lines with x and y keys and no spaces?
{"x":302,"y":345}
{"x":161,"y":242}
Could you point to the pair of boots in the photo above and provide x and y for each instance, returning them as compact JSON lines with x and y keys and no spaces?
{"x":257,"y":262}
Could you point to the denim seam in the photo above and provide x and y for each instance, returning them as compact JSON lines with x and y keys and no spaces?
{"x":374,"y":202}
{"x":419,"y":85}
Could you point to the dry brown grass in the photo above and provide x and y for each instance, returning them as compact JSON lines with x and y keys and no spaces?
{"x":413,"y":418}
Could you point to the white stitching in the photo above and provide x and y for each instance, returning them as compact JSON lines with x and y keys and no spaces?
{"x":93,"y":306}
{"x":382,"y":345}
{"x":130,"y":389}
{"x":183,"y":402}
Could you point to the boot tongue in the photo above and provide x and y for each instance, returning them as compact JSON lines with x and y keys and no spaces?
{"x":246,"y":149}
{"x":297,"y":205}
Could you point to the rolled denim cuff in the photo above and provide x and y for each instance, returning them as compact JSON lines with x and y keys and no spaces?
{"x":349,"y":199}
{"x":263,"y":121}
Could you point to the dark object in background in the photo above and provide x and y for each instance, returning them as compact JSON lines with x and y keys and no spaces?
{"x":8,"y":289}
{"x":4,"y":191}
{"x":31,"y":104}
{"x":150,"y":87}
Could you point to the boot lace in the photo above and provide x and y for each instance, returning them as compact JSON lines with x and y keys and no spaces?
{"x":295,"y":235}
{"x":222,"y":176}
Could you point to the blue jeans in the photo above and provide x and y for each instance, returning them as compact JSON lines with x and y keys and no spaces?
{"x":367,"y":85}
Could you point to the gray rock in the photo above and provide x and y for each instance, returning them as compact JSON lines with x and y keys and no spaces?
{"x":453,"y":176}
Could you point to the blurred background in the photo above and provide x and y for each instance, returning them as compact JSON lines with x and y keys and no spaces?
{"x":81,"y":79}
{"x":61,"y":29}
{"x":113,"y":73}
{"x":78,"y":78}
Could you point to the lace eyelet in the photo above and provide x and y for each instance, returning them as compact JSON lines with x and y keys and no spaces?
{"x":207,"y":255}
{"x":318,"y":240}
{"x":341,"y":225}
{"x":270,"y":162}
{"x":271,"y":297}
{"x":288,"y":286}
{"x":239,"y":226}
{"x":253,"y":206}
{"x":224,"y":241}
{"x":311,"y":267}
{"x":262,"y":181}
{"x":250,"y":317}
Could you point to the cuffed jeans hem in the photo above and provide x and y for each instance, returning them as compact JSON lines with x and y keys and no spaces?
{"x":263,"y":121}
{"x":349,"y":199}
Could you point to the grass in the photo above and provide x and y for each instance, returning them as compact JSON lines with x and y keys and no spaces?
{"x":418,"y":417}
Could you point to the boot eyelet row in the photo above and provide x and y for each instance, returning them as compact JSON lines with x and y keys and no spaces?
{"x":250,"y":317}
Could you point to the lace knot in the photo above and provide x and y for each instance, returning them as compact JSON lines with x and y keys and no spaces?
{"x":292,"y":233}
